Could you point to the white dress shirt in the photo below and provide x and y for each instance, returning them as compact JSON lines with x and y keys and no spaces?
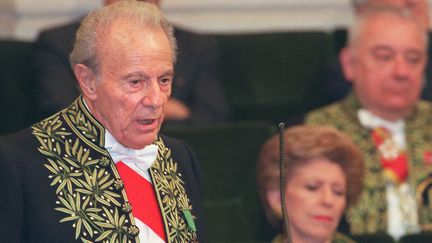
{"x":401,"y":205}
{"x":140,"y":161}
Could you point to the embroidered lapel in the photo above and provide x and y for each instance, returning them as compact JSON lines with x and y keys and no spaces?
{"x":91,"y":195}
{"x":173,"y":200}
{"x":419,"y":141}
{"x":88,"y":187}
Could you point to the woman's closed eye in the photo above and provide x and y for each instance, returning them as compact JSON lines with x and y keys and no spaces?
{"x":312,"y":187}
{"x":339,"y":191}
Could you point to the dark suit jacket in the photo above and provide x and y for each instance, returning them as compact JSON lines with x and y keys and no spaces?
{"x":57,"y":173}
{"x":196,"y":81}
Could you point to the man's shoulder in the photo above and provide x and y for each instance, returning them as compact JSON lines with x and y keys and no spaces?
{"x":17,"y":144}
{"x":328,"y":112}
{"x":180,"y":151}
{"x":422,"y":116}
{"x":25,"y":135}
{"x":175,"y":144}
{"x":424,"y":106}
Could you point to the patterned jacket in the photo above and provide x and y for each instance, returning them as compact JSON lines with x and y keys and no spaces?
{"x":369,"y":214}
{"x":59,"y":184}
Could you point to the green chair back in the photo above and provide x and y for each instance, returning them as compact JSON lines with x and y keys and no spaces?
{"x":16,"y":85}
{"x":424,"y":237}
{"x":272,"y":76}
{"x":227,"y":155}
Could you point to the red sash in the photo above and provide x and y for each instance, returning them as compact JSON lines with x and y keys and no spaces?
{"x":142,"y":197}
{"x":393,"y":159}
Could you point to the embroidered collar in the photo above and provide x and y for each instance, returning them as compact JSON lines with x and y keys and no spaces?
{"x":351,"y":104}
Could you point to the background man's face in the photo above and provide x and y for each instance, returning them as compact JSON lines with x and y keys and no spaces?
{"x":134,"y":82}
{"x":386,"y":64}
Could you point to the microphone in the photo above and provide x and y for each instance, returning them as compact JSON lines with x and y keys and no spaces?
{"x":286,"y":225}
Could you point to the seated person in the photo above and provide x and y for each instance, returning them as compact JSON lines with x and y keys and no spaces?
{"x":197,"y":95}
{"x":335,"y":86}
{"x":385,"y":61}
{"x":315,"y":201}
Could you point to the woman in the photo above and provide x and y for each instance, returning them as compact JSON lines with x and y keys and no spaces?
{"x":323,"y":170}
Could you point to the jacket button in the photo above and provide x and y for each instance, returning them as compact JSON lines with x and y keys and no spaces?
{"x":133,"y":230}
{"x":127,"y":207}
{"x":118,"y":184}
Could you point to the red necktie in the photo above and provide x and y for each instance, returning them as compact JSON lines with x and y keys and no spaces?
{"x":393,"y":159}
{"x":142,"y":197}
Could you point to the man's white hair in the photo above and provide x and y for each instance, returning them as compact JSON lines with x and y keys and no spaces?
{"x":94,"y":24}
{"x":356,"y":29}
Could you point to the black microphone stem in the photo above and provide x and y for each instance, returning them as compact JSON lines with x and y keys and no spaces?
{"x":286,"y":225}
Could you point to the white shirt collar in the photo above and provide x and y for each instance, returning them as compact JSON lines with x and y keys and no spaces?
{"x":369,"y":120}
{"x":142,"y":158}
{"x":140,"y":161}
{"x":396,"y":128}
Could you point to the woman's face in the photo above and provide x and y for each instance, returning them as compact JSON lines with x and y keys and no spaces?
{"x":315,"y":200}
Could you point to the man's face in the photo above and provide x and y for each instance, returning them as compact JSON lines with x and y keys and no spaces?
{"x":134,"y":82}
{"x":386,"y":65}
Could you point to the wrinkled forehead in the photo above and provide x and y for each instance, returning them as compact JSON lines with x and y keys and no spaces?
{"x":126,"y":41}
{"x":124,"y":33}
{"x":121,"y":31}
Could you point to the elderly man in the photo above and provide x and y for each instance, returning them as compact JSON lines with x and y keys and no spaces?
{"x":98,"y":170}
{"x":385,"y":60}
{"x":197,"y":92}
{"x":335,"y":86}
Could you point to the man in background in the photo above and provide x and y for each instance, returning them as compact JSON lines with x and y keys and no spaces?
{"x":335,"y":86}
{"x":385,"y":60}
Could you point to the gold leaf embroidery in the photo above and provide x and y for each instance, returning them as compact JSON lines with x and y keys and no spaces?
{"x":169,"y":187}
{"x":81,"y":183}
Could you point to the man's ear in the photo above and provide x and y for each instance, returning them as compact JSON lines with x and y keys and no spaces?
{"x":347,"y":59}
{"x":274,"y":202}
{"x":86,"y":80}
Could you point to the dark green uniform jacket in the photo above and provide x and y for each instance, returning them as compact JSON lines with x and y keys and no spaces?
{"x":59,"y":184}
